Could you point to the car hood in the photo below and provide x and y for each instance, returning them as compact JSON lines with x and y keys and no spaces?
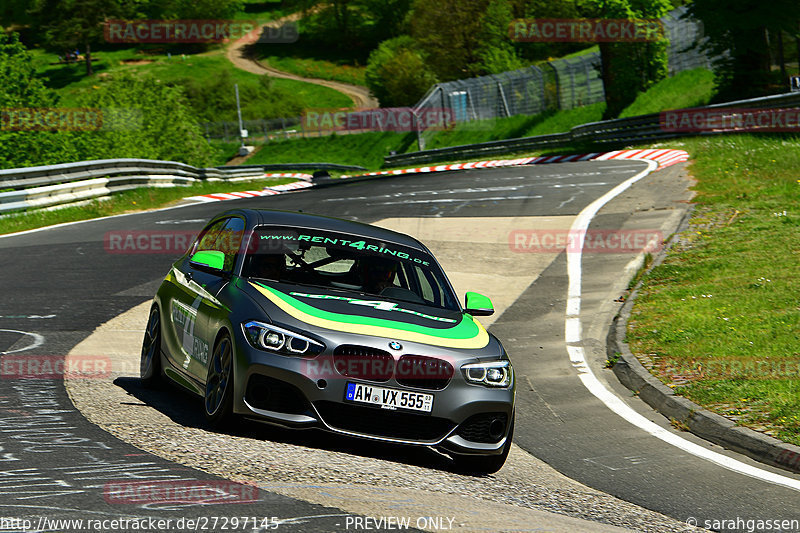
{"x":318,"y":309}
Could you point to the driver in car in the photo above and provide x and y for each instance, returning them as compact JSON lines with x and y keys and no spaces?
{"x":269,"y":266}
{"x":377,"y":274}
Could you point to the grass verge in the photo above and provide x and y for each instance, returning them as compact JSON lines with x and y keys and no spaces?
{"x":719,"y":319}
{"x":365,"y":149}
{"x":514,"y":127}
{"x":70,"y":80}
{"x":690,"y":88}
{"x":306,"y":63}
{"x":125,"y":202}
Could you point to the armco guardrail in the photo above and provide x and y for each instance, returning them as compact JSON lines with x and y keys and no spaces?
{"x":620,"y":131}
{"x":51,"y":185}
{"x":298,"y":166}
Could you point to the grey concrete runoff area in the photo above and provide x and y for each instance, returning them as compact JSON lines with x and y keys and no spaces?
{"x":576,"y":465}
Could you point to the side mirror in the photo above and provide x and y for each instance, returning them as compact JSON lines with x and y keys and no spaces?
{"x":209,"y":261}
{"x":478,"y":305}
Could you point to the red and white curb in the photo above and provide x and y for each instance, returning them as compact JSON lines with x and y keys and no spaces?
{"x":267,"y":191}
{"x":298,"y":175}
{"x":664,"y":158}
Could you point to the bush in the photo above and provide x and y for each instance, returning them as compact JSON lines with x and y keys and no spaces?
{"x":162,"y":125}
{"x":397,"y":74}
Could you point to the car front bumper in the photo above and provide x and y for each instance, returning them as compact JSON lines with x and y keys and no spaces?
{"x":292,"y":391}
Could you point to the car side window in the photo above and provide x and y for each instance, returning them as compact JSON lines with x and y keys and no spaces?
{"x":223,"y":236}
{"x":230,"y":240}
{"x":208,"y":239}
{"x":427,"y":290}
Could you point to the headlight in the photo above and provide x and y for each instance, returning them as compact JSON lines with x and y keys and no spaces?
{"x":494,"y":374}
{"x":274,"y":339}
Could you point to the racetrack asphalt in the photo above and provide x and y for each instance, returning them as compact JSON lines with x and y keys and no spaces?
{"x":61,"y":284}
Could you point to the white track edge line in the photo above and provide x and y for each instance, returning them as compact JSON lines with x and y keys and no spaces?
{"x":572,"y":335}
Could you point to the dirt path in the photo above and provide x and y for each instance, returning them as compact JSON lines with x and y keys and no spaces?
{"x":236,"y":54}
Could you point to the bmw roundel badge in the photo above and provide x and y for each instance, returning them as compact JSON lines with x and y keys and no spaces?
{"x":394,"y":345}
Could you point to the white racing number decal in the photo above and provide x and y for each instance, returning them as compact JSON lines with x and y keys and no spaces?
{"x":375,"y":304}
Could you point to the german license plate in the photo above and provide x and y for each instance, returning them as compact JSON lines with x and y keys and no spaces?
{"x":389,"y":398}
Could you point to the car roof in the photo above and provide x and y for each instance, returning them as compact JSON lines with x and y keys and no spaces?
{"x":257,"y":217}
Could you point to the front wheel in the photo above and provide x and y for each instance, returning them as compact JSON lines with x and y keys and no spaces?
{"x":150,"y":363}
{"x":218,"y":400}
{"x":479,"y":465}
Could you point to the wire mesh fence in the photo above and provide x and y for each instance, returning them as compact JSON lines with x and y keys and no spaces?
{"x":685,"y":42}
{"x":560,"y":84}
{"x":269,"y":129}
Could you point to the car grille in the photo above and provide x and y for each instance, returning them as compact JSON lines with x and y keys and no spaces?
{"x":382,"y":422}
{"x":363,"y":362}
{"x":272,"y":394}
{"x":423,"y":372}
{"x":487,"y":428}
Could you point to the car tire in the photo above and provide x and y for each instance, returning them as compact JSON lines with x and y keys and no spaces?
{"x":218,"y":398}
{"x":480,"y":465}
{"x":150,"y":363}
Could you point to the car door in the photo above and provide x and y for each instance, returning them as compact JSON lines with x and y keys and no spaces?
{"x":196,"y":298}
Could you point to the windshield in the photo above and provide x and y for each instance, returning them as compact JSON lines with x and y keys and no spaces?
{"x":349,"y":263}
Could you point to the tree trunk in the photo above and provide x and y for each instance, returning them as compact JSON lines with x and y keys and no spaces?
{"x":607,"y":73}
{"x":88,"y":58}
{"x":781,"y":58}
{"x":751,"y":74}
{"x":797,"y":42}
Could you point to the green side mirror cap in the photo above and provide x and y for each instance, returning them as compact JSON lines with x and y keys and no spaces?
{"x":478,"y":305}
{"x":209,"y":258}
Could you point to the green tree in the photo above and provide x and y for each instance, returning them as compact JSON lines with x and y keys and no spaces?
{"x":143,"y":118}
{"x":333,"y":24}
{"x":629,"y":68}
{"x":70,"y":24}
{"x":397,"y":74}
{"x":389,"y":17}
{"x":351,"y":26}
{"x":20,"y":87}
{"x":737,"y":32}
{"x":182,"y":9}
{"x":473,"y":41}
{"x":14,"y":12}
{"x":553,"y":9}
{"x":449,"y":33}
{"x":495,"y":51}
